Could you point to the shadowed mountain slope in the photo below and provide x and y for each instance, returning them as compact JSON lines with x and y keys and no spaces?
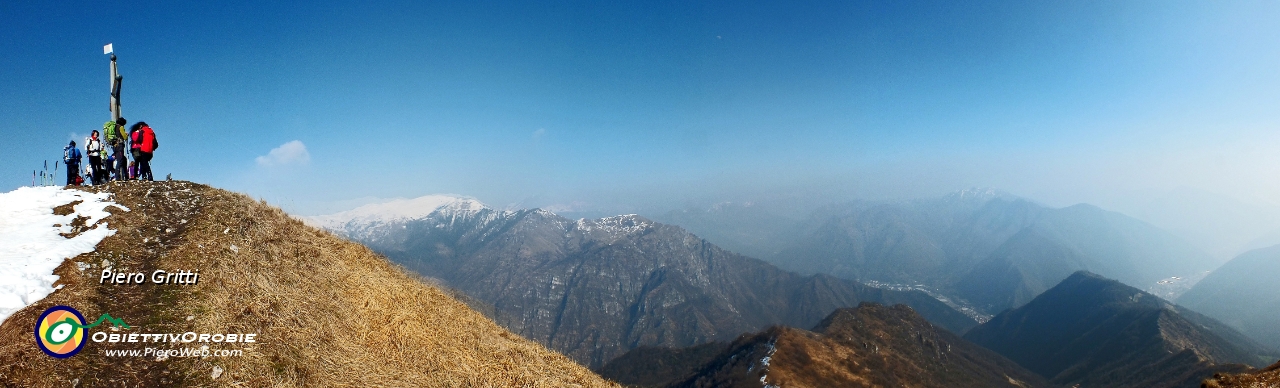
{"x":1094,"y":331}
{"x":1243,"y":293}
{"x":327,"y":312}
{"x":868,"y":346}
{"x":595,"y":289}
{"x":649,"y":366}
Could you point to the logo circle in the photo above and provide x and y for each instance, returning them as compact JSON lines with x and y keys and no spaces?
{"x":60,"y":331}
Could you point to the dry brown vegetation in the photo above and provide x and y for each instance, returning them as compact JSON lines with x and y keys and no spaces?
{"x":807,"y":359}
{"x":1268,"y":377}
{"x":327,"y":312}
{"x":870,"y":346}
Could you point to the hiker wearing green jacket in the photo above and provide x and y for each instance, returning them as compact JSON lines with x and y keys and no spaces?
{"x":113,"y":132}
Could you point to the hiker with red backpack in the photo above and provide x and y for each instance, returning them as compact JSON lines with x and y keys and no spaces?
{"x":143,"y":140}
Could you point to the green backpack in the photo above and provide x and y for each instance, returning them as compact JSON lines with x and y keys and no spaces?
{"x":111,"y":132}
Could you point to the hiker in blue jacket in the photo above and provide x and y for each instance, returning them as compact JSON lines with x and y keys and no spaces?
{"x":71,"y":156}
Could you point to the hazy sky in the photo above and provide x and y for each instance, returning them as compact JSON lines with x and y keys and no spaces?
{"x":317,"y":106}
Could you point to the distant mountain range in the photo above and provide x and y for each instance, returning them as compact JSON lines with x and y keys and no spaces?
{"x":868,"y":346}
{"x":1093,"y":331}
{"x":989,"y":249}
{"x":595,"y":289}
{"x":1243,"y":293}
{"x":652,"y":304}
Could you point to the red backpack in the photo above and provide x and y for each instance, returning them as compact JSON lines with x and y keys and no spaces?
{"x":149,"y":142}
{"x":135,"y":140}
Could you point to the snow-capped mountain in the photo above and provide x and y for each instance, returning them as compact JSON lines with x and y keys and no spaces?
{"x":397,"y":210}
{"x":366,"y":221}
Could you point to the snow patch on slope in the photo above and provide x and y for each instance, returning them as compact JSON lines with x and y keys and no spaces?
{"x":613,"y":227}
{"x":977,"y":194}
{"x":31,"y":246}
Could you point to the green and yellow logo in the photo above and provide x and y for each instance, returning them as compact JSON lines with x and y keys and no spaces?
{"x":60,"y":331}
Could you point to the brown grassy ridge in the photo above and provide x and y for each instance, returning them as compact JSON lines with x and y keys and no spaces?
{"x":327,"y":312}
{"x":869,"y":346}
{"x":1268,"y":377}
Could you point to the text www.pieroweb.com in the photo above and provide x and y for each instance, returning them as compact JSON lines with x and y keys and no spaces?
{"x":203,"y":351}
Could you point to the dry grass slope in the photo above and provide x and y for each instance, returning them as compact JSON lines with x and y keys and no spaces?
{"x":1268,"y":377}
{"x":327,"y":312}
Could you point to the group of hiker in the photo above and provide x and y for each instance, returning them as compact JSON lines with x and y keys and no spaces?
{"x":117,"y":165}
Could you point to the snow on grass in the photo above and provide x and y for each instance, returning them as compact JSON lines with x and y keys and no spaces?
{"x":31,"y":246}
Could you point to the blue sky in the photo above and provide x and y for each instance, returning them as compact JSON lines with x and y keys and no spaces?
{"x":611,"y":105}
